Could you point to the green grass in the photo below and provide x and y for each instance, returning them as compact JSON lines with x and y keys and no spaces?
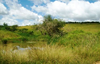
{"x":8,"y":34}
{"x":52,"y":54}
{"x":80,"y":45}
{"x":91,"y":27}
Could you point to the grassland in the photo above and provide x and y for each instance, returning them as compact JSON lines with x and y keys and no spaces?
{"x":79,"y":45}
{"x":89,"y":27}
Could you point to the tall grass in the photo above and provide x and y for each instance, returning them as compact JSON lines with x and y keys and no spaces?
{"x":51,"y":54}
{"x":75,"y":47}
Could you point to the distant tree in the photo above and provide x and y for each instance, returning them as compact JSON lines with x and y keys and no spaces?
{"x":14,"y":27}
{"x":6,"y":26}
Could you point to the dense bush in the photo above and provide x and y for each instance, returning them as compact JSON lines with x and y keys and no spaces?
{"x":4,"y":41}
{"x":9,"y":28}
{"x":13,"y":28}
{"x":25,"y":32}
{"x":24,"y":39}
{"x":51,"y":26}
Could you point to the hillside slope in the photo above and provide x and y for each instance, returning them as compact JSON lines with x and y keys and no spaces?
{"x":90,"y":27}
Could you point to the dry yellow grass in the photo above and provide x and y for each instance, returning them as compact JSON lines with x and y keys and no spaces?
{"x":50,"y":54}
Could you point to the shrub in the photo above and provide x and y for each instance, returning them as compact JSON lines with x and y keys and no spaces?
{"x":13,"y":28}
{"x":4,"y":41}
{"x":24,"y":39}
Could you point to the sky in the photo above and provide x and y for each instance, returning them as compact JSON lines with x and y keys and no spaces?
{"x":29,"y":12}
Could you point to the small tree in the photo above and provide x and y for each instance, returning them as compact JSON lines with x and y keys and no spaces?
{"x":6,"y":26}
{"x":51,"y":26}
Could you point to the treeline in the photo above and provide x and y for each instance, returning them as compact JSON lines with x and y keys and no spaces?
{"x":9,"y":28}
{"x":21,"y":34}
{"x":70,"y":22}
{"x":14,"y":28}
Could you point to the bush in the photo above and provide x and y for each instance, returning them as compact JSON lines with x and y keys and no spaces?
{"x":4,"y":41}
{"x":24,"y":30}
{"x":13,"y":28}
{"x":24,"y":39}
{"x":51,"y":26}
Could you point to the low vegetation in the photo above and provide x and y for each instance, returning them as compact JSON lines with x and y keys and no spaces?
{"x":62,"y":43}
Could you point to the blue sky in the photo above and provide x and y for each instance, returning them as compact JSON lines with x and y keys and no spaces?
{"x":28,"y":12}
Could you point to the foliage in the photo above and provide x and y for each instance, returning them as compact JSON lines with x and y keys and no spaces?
{"x":13,"y":28}
{"x":51,"y":26}
{"x":25,"y":32}
{"x":53,"y":54}
{"x":75,"y":47}
{"x":9,"y":28}
{"x":4,"y":41}
{"x":6,"y":26}
{"x":24,"y":39}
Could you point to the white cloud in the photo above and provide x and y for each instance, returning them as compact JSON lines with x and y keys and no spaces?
{"x":27,"y":22}
{"x":38,"y":2}
{"x":23,"y":13}
{"x":1,"y":0}
{"x":17,"y":11}
{"x":39,"y":8}
{"x":8,"y":20}
{"x":30,"y":22}
{"x":66,"y":1}
{"x":74,"y":10}
{"x":40,"y":19}
{"x":3,"y":9}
